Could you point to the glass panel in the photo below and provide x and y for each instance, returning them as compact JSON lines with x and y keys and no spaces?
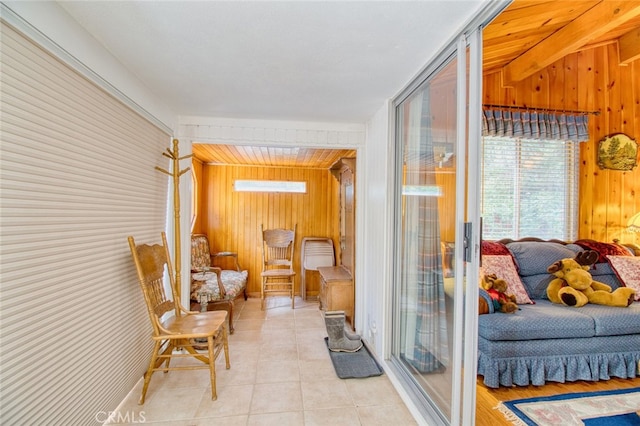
{"x":269,"y":186}
{"x":423,"y":342}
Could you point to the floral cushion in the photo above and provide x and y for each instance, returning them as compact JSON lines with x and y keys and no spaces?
{"x":627,"y":268}
{"x":200,"y":255}
{"x":234,"y":283}
{"x":504,"y":268}
{"x":495,"y":248}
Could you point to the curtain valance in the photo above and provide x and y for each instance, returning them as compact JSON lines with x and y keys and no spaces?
{"x":534,"y":124}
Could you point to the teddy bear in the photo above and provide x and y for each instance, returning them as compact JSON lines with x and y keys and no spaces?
{"x":574,"y":285}
{"x":497,"y":289}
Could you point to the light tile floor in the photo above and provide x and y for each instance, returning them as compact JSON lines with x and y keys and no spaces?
{"x":281,"y":374}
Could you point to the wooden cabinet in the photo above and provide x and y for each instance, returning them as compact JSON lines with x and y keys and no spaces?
{"x":336,"y":291}
{"x":344,"y":171}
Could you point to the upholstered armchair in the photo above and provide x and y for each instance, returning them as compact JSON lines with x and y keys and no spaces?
{"x":214,"y":288}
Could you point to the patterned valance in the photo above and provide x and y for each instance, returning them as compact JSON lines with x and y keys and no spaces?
{"x":532,"y":124}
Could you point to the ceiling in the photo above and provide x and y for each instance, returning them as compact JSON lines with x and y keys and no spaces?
{"x":270,"y":156}
{"x":334,"y":61}
{"x":529,"y":35}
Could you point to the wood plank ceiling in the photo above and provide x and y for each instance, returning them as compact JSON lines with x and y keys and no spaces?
{"x":269,"y":156}
{"x":526,"y":37}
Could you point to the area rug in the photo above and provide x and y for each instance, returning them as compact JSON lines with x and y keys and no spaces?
{"x":615,"y":407}
{"x":350,"y":365}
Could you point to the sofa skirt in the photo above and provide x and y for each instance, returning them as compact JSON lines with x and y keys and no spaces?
{"x":534,"y":362}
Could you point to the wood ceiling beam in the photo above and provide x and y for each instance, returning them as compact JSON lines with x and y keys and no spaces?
{"x":629,"y":45}
{"x":598,"y":20}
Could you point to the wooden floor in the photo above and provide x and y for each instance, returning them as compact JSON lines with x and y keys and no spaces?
{"x":488,"y":398}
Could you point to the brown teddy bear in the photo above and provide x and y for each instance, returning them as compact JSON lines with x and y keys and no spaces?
{"x":574,"y":286}
{"x":497,"y":289}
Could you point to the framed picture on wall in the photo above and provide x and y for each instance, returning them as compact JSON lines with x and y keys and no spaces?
{"x":617,"y":152}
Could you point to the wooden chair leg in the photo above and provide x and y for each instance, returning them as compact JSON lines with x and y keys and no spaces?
{"x":212,"y":367}
{"x":230,"y":315}
{"x":264,"y":281}
{"x":225,"y":345}
{"x":149,"y":373}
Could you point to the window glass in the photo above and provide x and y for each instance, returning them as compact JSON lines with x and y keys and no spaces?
{"x":194,"y":200}
{"x":529,"y":188}
{"x":269,"y":186}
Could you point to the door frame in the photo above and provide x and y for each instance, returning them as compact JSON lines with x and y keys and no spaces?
{"x":464,"y":390}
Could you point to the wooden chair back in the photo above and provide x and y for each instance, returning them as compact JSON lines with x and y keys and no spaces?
{"x":278,"y":248}
{"x":151,"y":261}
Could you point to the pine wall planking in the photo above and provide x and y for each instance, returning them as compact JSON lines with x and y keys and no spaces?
{"x":589,"y":80}
{"x":232,"y":219}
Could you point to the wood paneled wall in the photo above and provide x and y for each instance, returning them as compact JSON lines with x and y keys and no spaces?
{"x":589,"y":80}
{"x":232,"y":219}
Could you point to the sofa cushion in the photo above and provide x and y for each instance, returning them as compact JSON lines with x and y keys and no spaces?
{"x":504,"y":268}
{"x":598,"y":269}
{"x":536,"y":285}
{"x":544,"y":320}
{"x":613,"y":321}
{"x":611,"y":280}
{"x":534,"y":257}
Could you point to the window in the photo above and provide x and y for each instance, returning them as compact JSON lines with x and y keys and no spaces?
{"x":529,"y":188}
{"x":269,"y":186}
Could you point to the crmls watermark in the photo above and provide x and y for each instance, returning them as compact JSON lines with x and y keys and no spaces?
{"x":121,"y":416}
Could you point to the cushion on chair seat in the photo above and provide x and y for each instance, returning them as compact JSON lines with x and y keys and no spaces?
{"x":234,"y":283}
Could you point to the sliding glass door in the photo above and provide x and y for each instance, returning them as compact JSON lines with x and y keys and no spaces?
{"x":433,"y":167}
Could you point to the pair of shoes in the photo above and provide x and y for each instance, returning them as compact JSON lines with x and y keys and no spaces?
{"x":340,"y":339}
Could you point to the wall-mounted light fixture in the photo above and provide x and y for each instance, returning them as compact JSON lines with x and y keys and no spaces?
{"x":633,"y":224}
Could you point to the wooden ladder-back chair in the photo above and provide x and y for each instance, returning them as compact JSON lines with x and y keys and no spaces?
{"x":177,"y":332}
{"x":212,"y":287}
{"x":277,"y":262}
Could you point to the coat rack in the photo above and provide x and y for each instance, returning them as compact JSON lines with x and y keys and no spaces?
{"x":176,"y":173}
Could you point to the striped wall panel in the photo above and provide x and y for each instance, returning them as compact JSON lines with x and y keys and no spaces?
{"x":77,"y":177}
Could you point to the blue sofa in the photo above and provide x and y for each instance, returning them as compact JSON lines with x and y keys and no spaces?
{"x":549,"y":342}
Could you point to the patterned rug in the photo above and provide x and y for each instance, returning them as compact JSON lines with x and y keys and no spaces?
{"x":616,"y":407}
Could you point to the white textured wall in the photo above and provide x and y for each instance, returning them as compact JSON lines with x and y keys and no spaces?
{"x":376,"y":173}
{"x":231,"y":131}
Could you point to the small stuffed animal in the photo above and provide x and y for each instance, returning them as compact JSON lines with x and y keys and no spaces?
{"x":574,"y":286}
{"x":497,"y":288}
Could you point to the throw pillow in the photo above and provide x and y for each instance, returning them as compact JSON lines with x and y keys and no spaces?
{"x":603,"y":249}
{"x":493,"y":248}
{"x":533,"y":257}
{"x":627,"y":268}
{"x":504,"y":268}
